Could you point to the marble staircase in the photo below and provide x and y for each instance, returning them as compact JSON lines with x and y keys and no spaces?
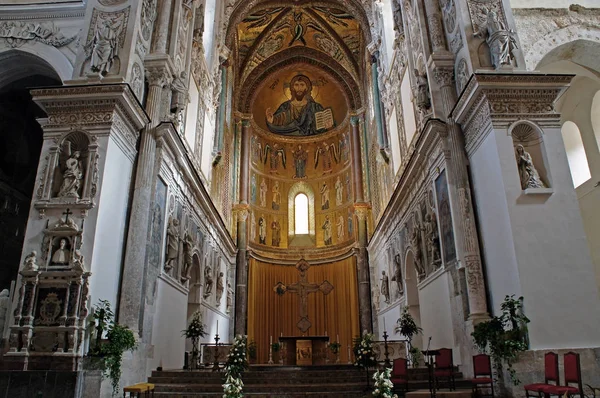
{"x":326,"y":381}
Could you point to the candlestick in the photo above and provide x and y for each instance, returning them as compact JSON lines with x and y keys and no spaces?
{"x":337,"y":338}
{"x":271,"y":340}
{"x":217,"y":327}
{"x":384,"y":329}
{"x":326,"y":333}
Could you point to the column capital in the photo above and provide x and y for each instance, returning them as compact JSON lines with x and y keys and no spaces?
{"x":159,"y":70}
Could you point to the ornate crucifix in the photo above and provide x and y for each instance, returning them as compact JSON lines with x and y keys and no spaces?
{"x":303,"y":288}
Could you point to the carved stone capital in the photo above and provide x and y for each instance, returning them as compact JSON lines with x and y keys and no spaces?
{"x":444,"y":76}
{"x":158,"y":76}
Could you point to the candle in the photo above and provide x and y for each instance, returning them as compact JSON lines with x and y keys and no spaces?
{"x":280,"y":334}
{"x":326,"y":333}
{"x":217,"y":327}
{"x":384,"y":329}
{"x":337,"y":338}
{"x":271,"y":340}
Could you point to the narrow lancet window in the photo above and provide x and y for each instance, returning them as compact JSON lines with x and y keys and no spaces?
{"x":301,"y":214}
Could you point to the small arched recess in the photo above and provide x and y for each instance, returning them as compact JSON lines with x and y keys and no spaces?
{"x":532,"y":162}
{"x":301,"y":240}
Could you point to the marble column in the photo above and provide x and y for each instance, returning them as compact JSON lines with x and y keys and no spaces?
{"x":132,"y":288}
{"x":362,"y":270}
{"x":357,"y":159}
{"x":467,"y":240}
{"x":241,"y":291}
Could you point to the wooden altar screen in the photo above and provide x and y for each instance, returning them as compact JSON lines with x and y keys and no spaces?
{"x":304,"y":350}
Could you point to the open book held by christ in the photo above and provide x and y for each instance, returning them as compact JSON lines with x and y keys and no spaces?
{"x":324,"y":119}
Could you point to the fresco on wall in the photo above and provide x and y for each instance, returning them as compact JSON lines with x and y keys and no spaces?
{"x":299,"y":102}
{"x":443,"y":203}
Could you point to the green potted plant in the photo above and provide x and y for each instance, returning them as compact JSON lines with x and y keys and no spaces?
{"x":407,"y":326}
{"x":252,"y":351}
{"x":335,"y":350}
{"x":275,"y":348}
{"x":109,"y":351}
{"x":504,"y":337}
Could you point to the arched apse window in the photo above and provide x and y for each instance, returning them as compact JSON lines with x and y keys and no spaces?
{"x":301,"y":214}
{"x":578,"y":163}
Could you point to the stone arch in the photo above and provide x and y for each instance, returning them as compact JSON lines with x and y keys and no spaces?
{"x":33,"y":59}
{"x":562,"y":43}
{"x":530,"y":136}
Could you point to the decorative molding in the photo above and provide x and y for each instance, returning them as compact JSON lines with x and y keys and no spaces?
{"x":17,"y":33}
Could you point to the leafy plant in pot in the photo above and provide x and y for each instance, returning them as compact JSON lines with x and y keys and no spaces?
{"x":108,"y":352}
{"x":407,"y":326}
{"x":251,"y":347}
{"x":275,"y":348}
{"x":505,"y":336}
{"x":194,"y":331}
{"x":335,"y":350}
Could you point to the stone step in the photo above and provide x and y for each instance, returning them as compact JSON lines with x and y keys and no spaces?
{"x":459,"y":393}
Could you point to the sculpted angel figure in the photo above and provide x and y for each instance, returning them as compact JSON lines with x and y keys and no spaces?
{"x":501,"y":41}
{"x":530,"y":177}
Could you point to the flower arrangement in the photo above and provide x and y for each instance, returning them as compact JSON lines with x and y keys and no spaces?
{"x":194,"y":331}
{"x":335,"y":347}
{"x":407,"y":326}
{"x":234,"y":367}
{"x":383,"y":387}
{"x":364,"y":356}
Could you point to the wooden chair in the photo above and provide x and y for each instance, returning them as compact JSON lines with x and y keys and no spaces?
{"x":572,"y":376}
{"x":550,"y":375}
{"x":482,"y":369}
{"x":399,"y":376}
{"x":444,"y":368}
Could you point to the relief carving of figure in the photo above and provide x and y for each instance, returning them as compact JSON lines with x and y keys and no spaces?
{"x":263,"y":193}
{"x":172,"y":244}
{"x":432,"y":237}
{"x":300,"y":158}
{"x":220,"y":287}
{"x":501,"y":41}
{"x":530,"y":177}
{"x":229,"y":298}
{"x":208,"y":280}
{"x":324,"y":196}
{"x":423,"y":102}
{"x":385,"y":287}
{"x":398,"y":274}
{"x":103,"y":48}
{"x":72,"y":175}
{"x":327,"y":231}
{"x":376,"y":298}
{"x":62,"y":254}
{"x":30,"y":262}
{"x":415,"y":242}
{"x":78,"y":260}
{"x":4,"y":304}
{"x":188,"y":246}
{"x":339,"y":192}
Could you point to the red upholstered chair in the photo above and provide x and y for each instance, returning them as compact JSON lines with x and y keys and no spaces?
{"x":550,"y":375}
{"x":399,"y":375}
{"x":444,"y":368}
{"x":572,"y":376}
{"x":482,"y":368}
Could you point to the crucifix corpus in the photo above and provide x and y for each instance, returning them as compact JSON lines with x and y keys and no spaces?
{"x":303,"y":288}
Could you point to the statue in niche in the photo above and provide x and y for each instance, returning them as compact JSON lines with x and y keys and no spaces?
{"x":262,"y":230}
{"x":188,"y":246}
{"x":263,"y":193}
{"x":501,"y":41}
{"x":276,"y":233}
{"x":325,"y":154}
{"x":327,"y":229}
{"x":172,"y":244}
{"x":297,"y":116}
{"x":530,"y":177}
{"x":179,"y":99}
{"x":385,"y":287}
{"x":300,"y":158}
{"x":229,"y":298}
{"x":340,"y":227}
{"x":104,"y":47}
{"x":276,"y":201}
{"x":252,"y":227}
{"x":72,"y":174}
{"x":208,"y":280}
{"x":398,"y":274}
{"x":422,"y":100}
{"x":78,"y":260}
{"x":253,"y":189}
{"x":62,"y":254}
{"x":220,"y":287}
{"x":432,"y":237}
{"x":30,"y":262}
{"x":277,"y":154}
{"x":339,"y":192}
{"x":415,"y":242}
{"x":324,"y":196}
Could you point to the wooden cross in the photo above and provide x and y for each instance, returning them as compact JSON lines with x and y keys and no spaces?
{"x":67,"y":213}
{"x":303,"y":288}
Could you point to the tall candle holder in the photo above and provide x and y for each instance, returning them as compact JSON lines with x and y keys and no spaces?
{"x":216,"y":366}
{"x":387,"y":363}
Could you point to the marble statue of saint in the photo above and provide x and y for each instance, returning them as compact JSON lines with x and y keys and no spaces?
{"x":501,"y":41}
{"x":276,"y":196}
{"x":208,"y":280}
{"x":103,"y":48}
{"x":262,"y":230}
{"x":327,"y":231}
{"x":415,"y":242}
{"x":220,"y":287}
{"x":172,"y":244}
{"x":423,"y":102}
{"x":276,"y":236}
{"x":300,"y":158}
{"x":252,"y":227}
{"x":398,"y":274}
{"x":527,"y":171}
{"x":62,"y":255}
{"x":340,"y":227}
{"x":263,"y":193}
{"x":339,"y":192}
{"x":385,"y":287}
{"x":433,"y":239}
{"x":30,"y":262}
{"x":72,"y":175}
{"x":324,"y":196}
{"x":188,"y":246}
{"x":229,"y":298}
{"x":297,"y":115}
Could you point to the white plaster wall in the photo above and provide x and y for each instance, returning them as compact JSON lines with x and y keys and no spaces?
{"x":109,"y":239}
{"x":555,"y":269}
{"x":499,"y":256}
{"x":394,"y":140}
{"x":191,"y":118}
{"x":389,"y":34}
{"x":209,"y":29}
{"x":169,"y":321}
{"x":436,"y":313}
{"x":578,"y":164}
{"x":207,"y":140}
{"x":408,"y":110}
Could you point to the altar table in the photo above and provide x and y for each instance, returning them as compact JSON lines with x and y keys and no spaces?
{"x":304,"y":350}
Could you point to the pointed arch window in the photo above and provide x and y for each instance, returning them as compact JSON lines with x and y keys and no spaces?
{"x":301,"y":214}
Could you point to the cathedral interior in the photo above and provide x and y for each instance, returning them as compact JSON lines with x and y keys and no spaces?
{"x":297,"y":168}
